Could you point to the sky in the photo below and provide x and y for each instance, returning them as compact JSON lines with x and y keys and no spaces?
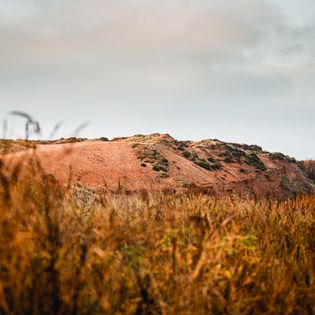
{"x":239,"y":71}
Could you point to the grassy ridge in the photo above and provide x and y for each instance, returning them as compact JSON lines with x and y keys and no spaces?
{"x":188,"y":254}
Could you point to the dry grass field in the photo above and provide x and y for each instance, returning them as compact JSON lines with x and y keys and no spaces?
{"x":152,"y":254}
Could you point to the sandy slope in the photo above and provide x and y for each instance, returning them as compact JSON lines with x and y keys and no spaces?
{"x":159,"y":162}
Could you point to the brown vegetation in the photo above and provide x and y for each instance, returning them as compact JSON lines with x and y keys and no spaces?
{"x":62,"y":253}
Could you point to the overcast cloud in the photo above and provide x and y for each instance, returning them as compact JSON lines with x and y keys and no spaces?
{"x":239,"y":70}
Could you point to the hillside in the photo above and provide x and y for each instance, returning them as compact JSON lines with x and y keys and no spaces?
{"x":308,"y":167}
{"x":158,"y":162}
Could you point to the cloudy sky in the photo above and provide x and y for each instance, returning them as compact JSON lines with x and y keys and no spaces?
{"x":240,"y":70}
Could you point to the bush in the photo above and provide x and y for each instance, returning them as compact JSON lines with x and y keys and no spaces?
{"x":228,"y":160}
{"x":253,"y":160}
{"x":204,"y":165}
{"x":186,"y":154}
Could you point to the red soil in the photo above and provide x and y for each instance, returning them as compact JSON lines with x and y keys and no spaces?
{"x":160,"y":163}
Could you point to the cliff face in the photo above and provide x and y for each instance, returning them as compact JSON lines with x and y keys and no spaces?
{"x":160,"y":163}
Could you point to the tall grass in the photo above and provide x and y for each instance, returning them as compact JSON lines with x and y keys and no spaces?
{"x":142,"y":254}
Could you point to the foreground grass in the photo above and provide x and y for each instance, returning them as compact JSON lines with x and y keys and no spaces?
{"x":188,"y":254}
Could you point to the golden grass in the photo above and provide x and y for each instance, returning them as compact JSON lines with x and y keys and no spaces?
{"x":162,"y":254}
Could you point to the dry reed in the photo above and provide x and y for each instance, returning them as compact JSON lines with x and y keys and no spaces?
{"x":162,"y":254}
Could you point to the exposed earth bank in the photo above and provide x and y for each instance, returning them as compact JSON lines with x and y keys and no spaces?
{"x":158,"y":162}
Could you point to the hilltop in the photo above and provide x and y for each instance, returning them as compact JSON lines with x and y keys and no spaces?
{"x":159,"y":162}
